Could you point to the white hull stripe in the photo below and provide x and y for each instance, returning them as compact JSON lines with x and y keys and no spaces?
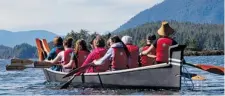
{"x":176,"y":60}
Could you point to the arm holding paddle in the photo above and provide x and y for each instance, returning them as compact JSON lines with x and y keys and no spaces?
{"x":73,"y":61}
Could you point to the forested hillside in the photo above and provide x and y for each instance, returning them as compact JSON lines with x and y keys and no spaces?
{"x":196,"y":11}
{"x":196,"y":36}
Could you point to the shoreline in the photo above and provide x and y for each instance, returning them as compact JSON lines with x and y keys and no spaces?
{"x":203,"y":53}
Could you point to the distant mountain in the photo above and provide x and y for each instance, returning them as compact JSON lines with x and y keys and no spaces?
{"x":11,"y":39}
{"x":196,"y":11}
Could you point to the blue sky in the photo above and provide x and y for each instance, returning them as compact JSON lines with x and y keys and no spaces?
{"x":61,"y":16}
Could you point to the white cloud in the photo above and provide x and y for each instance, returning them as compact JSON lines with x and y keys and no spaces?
{"x":60,"y":16}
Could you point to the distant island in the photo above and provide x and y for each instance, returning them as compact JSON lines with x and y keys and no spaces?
{"x":11,"y":39}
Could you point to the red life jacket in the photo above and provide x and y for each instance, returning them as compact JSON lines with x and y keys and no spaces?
{"x":104,"y":67}
{"x":82,"y":55}
{"x":67,"y":55}
{"x":162,"y":49}
{"x":145,"y":60}
{"x":120,"y":60}
{"x":134,"y":52}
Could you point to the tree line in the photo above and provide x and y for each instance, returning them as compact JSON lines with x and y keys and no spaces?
{"x":195,"y":36}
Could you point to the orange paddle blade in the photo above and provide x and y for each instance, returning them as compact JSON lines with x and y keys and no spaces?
{"x":211,"y":68}
{"x":45,"y":45}
{"x":40,"y":52}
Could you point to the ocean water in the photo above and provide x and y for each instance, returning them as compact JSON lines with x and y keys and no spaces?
{"x":32,"y":82}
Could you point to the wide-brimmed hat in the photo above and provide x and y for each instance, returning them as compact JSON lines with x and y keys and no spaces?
{"x":165,"y":29}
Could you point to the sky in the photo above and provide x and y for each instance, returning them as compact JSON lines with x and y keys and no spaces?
{"x":62,"y":16}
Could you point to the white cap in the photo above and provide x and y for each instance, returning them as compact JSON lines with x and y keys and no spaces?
{"x":127,"y":39}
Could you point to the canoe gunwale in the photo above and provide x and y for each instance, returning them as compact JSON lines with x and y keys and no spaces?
{"x":117,"y":71}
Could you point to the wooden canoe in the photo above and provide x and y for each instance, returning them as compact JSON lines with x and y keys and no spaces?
{"x":165,"y":75}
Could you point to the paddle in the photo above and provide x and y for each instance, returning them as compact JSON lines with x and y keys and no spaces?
{"x":66,"y":85}
{"x":209,"y":68}
{"x":193,"y":76}
{"x":78,"y":70}
{"x":73,"y":72}
{"x":22,"y":67}
{"x":21,"y":64}
{"x":21,"y":61}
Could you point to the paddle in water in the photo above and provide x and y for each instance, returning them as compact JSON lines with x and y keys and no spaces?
{"x":78,"y":70}
{"x":209,"y":68}
{"x":193,"y":76}
{"x":74,"y":73}
{"x":66,"y":85}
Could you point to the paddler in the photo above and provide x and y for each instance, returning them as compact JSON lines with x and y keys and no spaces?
{"x":64,"y":56}
{"x":162,"y":44}
{"x":79,"y":56}
{"x":98,"y":52}
{"x":58,"y":47}
{"x":118,"y":54}
{"x":134,"y":51}
{"x":149,"y":59}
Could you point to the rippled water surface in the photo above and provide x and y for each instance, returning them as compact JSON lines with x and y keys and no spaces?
{"x":32,"y":82}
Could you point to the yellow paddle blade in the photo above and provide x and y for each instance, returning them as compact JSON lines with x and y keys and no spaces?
{"x":198,"y":77}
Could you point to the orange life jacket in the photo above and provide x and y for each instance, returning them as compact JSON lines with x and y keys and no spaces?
{"x":120,"y":60}
{"x":134,"y":52}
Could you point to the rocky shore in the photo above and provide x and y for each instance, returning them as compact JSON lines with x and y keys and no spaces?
{"x":203,"y":53}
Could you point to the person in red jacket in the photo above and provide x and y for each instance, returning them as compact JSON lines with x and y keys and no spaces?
{"x":162,"y":44}
{"x":64,"y":56}
{"x":134,"y":51}
{"x":98,"y":52}
{"x":79,"y":55}
{"x":149,"y":59}
{"x":118,"y":54}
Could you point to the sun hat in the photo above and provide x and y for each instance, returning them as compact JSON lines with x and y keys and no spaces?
{"x":165,"y":29}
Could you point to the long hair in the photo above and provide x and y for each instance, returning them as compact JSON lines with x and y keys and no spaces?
{"x":80,"y":45}
{"x":116,"y":39}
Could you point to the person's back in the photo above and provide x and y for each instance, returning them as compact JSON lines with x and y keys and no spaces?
{"x":162,"y":48}
{"x":120,"y":60}
{"x":162,"y":44}
{"x":64,"y":56}
{"x":118,"y":54}
{"x":81,"y":53}
{"x":144,"y":59}
{"x":96,"y":54}
{"x":81,"y":57}
{"x":98,"y":51}
{"x":134,"y":52}
{"x":58,"y":47}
